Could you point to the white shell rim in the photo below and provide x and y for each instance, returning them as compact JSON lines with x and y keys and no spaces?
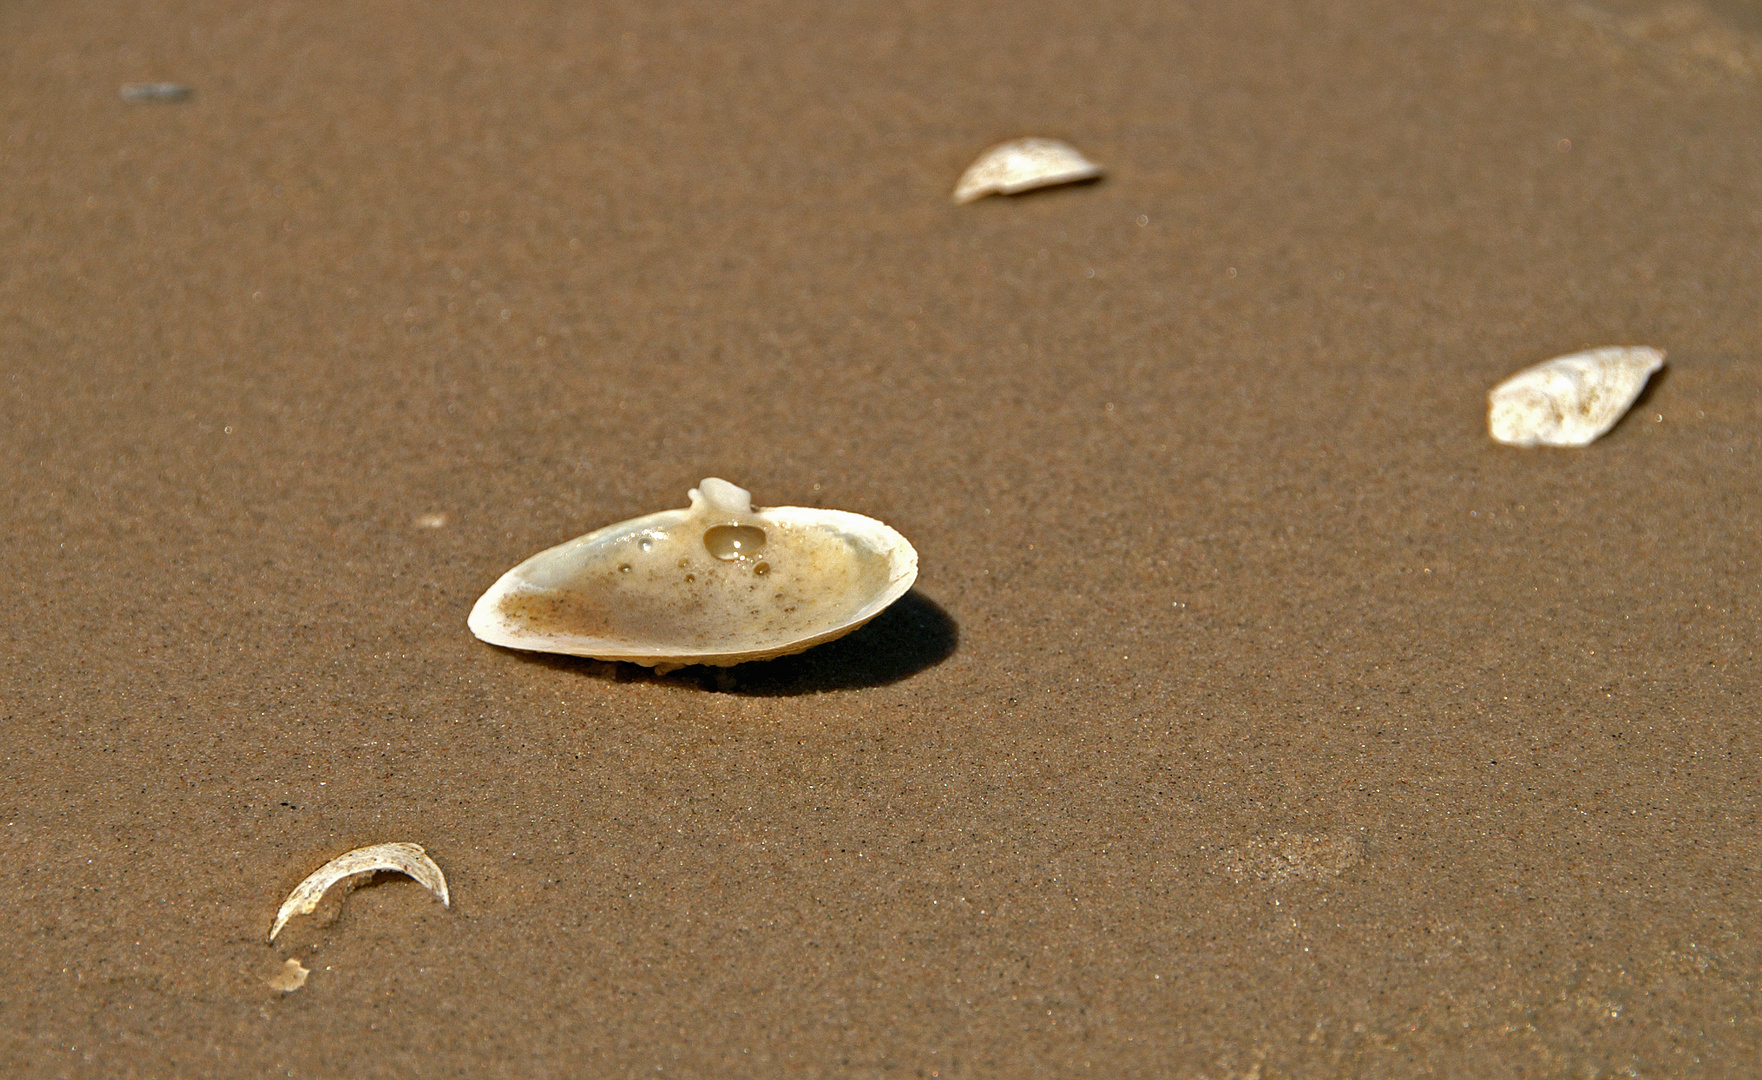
{"x":902,"y":561}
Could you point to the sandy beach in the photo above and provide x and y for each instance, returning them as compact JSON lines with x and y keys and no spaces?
{"x":1254,"y":714}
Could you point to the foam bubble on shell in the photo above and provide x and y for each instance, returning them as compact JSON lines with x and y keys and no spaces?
{"x":1023,"y":165}
{"x":403,"y":858}
{"x":1570,"y":400}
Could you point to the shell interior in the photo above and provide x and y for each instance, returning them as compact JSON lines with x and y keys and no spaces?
{"x":717,"y":584}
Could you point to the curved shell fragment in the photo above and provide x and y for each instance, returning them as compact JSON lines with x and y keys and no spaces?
{"x":1570,"y":400}
{"x":1023,"y":165}
{"x":718,"y":583}
{"x":403,"y":858}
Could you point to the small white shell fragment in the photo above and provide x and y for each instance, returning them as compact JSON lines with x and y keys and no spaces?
{"x":291,"y":977}
{"x":719,"y":583}
{"x":1023,"y":165}
{"x":404,"y":858}
{"x":1570,"y":400}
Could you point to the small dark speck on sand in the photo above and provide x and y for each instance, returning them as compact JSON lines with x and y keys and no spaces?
{"x":155,"y":91}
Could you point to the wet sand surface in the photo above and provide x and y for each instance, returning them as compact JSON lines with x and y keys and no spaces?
{"x":1254,"y":715}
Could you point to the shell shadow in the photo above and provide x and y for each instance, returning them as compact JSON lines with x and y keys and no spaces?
{"x":914,"y":634}
{"x":1051,"y":190}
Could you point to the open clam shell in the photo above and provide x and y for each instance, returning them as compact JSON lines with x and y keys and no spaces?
{"x":717,"y":583}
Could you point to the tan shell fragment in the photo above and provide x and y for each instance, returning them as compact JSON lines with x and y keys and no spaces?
{"x":719,"y":583}
{"x":1570,"y":400}
{"x":404,"y":858}
{"x":291,"y":977}
{"x":1023,"y":165}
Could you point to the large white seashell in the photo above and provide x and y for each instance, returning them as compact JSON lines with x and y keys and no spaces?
{"x":1570,"y":400}
{"x":1022,"y":165}
{"x":719,"y":583}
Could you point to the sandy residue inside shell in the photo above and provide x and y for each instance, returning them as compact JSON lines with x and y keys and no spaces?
{"x":670,"y":595}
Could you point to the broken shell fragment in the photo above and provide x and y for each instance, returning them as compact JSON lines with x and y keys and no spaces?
{"x":718,"y":583}
{"x":407,"y":859}
{"x":291,"y":977}
{"x":1570,"y":400}
{"x":1023,"y":165}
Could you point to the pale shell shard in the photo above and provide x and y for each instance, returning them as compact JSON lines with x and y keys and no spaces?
{"x":291,"y":977}
{"x":718,"y":583}
{"x":403,"y":858}
{"x":1023,"y":165}
{"x":1570,"y":400}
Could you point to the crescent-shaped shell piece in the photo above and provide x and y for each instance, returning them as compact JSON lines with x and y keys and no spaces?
{"x":717,"y":583}
{"x":1570,"y":400}
{"x":1023,"y":165}
{"x":404,"y":858}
